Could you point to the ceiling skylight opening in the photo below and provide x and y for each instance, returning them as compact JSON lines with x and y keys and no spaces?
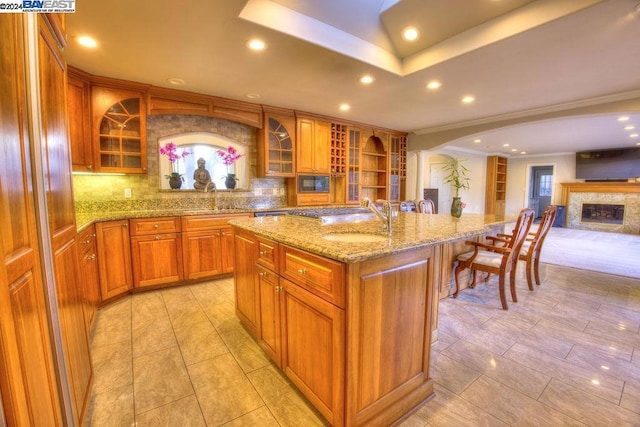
{"x":87,"y":41}
{"x":410,"y":34}
{"x":345,"y":107}
{"x":623,"y":118}
{"x":367,"y":79}
{"x":468,"y":99}
{"x":433,"y":85}
{"x":256,"y":44}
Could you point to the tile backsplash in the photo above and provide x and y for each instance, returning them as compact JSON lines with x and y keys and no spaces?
{"x":107,"y":192}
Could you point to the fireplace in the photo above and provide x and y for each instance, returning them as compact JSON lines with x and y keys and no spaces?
{"x":602,"y":213}
{"x":602,"y":206}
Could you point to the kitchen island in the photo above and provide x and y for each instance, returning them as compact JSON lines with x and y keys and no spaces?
{"x":349,"y":323}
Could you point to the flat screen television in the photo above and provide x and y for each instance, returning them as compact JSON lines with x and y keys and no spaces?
{"x":605,"y":165}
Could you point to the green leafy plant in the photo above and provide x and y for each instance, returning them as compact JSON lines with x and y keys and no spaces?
{"x":456,"y":174}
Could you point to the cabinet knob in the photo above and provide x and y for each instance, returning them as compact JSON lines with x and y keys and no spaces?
{"x":91,"y":257}
{"x":262,"y":274}
{"x":157,"y":237}
{"x":155,"y":226}
{"x":302,"y":271}
{"x":278,"y":288}
{"x":263,"y":253}
{"x":125,"y":225}
{"x":90,"y":167}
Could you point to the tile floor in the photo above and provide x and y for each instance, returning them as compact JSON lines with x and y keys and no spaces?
{"x":567,"y":353}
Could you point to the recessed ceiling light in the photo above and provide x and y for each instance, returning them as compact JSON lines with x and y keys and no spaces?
{"x":366,"y":79}
{"x":505,"y":145}
{"x":87,"y":41}
{"x":175,"y":81}
{"x":514,"y":149}
{"x":633,"y":135}
{"x":410,"y":34}
{"x":468,"y":99}
{"x":345,"y":107}
{"x":256,"y":44}
{"x":477,"y":141}
{"x":630,"y":127}
{"x":252,"y":95}
{"x":523,"y":152}
{"x":433,"y":84}
{"x":623,"y":118}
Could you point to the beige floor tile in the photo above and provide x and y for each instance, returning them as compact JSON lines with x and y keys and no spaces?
{"x":199,"y":342}
{"x":513,"y":407}
{"x":260,"y":417}
{"x":180,"y":413}
{"x":631,"y":396}
{"x":451,"y":374}
{"x":112,"y":367}
{"x":112,"y":408}
{"x":586,"y":407}
{"x":286,"y":405}
{"x":183,"y":309}
{"x":159,"y":378}
{"x":608,"y":363}
{"x":147,"y":306}
{"x":525,"y":380}
{"x":448,"y":409}
{"x":111,"y":329}
{"x":244,"y":348}
{"x":591,"y":380}
{"x":222,"y":389}
{"x":153,"y":335}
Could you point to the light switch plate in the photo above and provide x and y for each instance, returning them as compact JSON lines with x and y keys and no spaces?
{"x":127,"y":193}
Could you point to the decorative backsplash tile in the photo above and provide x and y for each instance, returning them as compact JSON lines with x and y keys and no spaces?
{"x":100,"y":193}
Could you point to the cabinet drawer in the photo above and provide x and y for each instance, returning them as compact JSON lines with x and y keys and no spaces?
{"x":313,"y":199}
{"x":320,"y":276}
{"x":145,"y":226}
{"x":268,"y":253}
{"x":207,"y":222}
{"x":87,"y":239}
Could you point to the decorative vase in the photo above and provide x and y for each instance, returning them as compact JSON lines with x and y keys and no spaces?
{"x":175,"y":182}
{"x":230,"y":181}
{"x":456,"y":207}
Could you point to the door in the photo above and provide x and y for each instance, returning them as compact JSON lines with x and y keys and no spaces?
{"x":541,"y":186}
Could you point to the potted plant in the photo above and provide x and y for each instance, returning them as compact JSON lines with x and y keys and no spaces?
{"x":171,"y":151}
{"x":229,"y":157}
{"x":457,"y":176}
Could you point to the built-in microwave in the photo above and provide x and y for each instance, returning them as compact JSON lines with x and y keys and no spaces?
{"x":313,"y":183}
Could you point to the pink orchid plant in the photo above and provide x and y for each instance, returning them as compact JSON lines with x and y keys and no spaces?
{"x":173,"y":154}
{"x":229,"y":157}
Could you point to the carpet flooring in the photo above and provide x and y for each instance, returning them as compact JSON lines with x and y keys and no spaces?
{"x":611,"y":253}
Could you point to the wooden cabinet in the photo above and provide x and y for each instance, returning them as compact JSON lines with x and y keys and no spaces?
{"x":156,"y":251}
{"x":373,"y":169}
{"x":207,"y":245}
{"x":496,"y":189}
{"x":119,"y":130}
{"x":246,"y":286}
{"x":397,"y":167}
{"x":269,"y":334}
{"x":276,"y":143}
{"x":88,"y":261}
{"x":313,"y":146}
{"x":353,"y":170}
{"x":28,"y":375}
{"x":79,"y":113}
{"x":114,"y":258}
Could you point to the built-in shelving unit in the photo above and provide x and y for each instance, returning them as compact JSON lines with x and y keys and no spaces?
{"x":338,"y":149}
{"x":496,"y":185}
{"x":374,"y":169}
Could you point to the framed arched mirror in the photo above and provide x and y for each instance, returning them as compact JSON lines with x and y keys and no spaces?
{"x":193,"y":146}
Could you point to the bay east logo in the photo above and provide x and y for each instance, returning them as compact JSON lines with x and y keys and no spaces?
{"x":50,"y":6}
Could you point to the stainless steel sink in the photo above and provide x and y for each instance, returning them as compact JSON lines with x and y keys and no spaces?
{"x":355,"y":237}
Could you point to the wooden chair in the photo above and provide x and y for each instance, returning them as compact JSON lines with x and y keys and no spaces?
{"x":532,"y":246}
{"x":408,"y":206}
{"x":494,"y":259}
{"x":426,"y":206}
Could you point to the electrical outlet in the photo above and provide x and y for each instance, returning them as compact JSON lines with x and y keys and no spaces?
{"x":127,"y":193}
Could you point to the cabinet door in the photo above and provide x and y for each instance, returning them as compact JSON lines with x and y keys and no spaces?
{"x":156,"y":259}
{"x":269,"y":334}
{"x":276,"y":147}
{"x":114,"y":258}
{"x":246,"y":286}
{"x":313,"y":146}
{"x":79,"y":112}
{"x":88,"y":261}
{"x":313,"y":349}
{"x":227,"y":252}
{"x":201,"y":254}
{"x":322,"y":151}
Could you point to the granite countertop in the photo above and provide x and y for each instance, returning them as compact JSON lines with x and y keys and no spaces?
{"x":410,"y":230}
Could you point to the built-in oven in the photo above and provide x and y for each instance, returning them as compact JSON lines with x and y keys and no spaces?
{"x":313,"y":183}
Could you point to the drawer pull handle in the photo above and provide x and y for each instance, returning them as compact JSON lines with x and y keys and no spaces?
{"x":262,"y":274}
{"x":91,"y":257}
{"x":157,"y":237}
{"x":302,"y":271}
{"x":155,"y":226}
{"x":125,"y":225}
{"x":263,"y":253}
{"x":278,"y":288}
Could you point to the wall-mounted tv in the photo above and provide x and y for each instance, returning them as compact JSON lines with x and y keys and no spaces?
{"x":604,"y":165}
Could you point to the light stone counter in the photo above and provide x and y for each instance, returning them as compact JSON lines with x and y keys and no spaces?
{"x":410,"y":230}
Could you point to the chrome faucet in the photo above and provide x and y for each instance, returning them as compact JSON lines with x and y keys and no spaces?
{"x":385,"y":216}
{"x":215,"y":192}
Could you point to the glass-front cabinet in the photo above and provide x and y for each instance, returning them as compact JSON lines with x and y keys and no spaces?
{"x":120,"y":134}
{"x":397,"y":166}
{"x":276,"y":144}
{"x":353,"y":183}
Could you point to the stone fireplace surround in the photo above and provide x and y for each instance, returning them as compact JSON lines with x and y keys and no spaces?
{"x":575,"y":194}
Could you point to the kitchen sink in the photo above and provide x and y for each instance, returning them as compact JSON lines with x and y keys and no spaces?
{"x":355,"y":237}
